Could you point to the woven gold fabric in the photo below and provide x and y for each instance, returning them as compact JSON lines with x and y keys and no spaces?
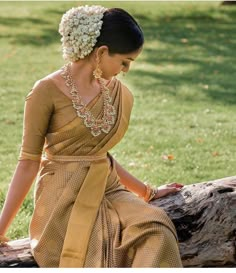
{"x":83,"y":216}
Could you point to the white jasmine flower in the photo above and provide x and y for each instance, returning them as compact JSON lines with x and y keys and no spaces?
{"x":80,"y":27}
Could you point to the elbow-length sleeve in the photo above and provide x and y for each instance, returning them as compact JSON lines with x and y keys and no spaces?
{"x":37,"y":113}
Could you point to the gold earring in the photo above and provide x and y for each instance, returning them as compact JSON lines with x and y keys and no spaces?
{"x":97,"y":73}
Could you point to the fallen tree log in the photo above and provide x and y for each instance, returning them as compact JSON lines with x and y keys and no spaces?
{"x":204,"y":215}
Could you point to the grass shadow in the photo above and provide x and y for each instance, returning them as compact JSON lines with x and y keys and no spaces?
{"x":29,"y":31}
{"x":13,"y":22}
{"x":204,"y":41}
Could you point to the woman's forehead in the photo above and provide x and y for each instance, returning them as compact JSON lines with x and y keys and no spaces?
{"x":130,"y":56}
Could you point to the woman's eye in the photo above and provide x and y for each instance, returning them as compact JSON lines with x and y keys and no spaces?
{"x":124,"y":64}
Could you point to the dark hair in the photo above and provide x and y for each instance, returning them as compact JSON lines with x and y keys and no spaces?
{"x":120,"y":32}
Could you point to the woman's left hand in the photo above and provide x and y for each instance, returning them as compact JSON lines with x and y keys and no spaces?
{"x":165,"y":190}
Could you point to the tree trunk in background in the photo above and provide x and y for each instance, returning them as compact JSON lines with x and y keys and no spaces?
{"x":204,"y":215}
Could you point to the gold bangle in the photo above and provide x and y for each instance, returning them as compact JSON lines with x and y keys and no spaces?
{"x":150,"y":193}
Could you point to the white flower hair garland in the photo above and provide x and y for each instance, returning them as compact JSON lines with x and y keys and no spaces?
{"x":80,"y":27}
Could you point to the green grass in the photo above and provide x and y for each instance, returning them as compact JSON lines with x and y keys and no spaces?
{"x":183,"y":84}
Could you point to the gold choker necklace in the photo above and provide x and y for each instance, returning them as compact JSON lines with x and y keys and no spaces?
{"x":96,"y":125}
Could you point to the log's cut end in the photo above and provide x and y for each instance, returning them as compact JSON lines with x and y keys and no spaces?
{"x":17,"y":254}
{"x":204,"y":215}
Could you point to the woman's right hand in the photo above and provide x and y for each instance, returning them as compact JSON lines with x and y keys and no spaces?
{"x":3,"y":240}
{"x":23,"y":178}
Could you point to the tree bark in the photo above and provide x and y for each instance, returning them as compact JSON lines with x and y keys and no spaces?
{"x":204,"y":215}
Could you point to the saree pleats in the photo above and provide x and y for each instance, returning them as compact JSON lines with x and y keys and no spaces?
{"x":83,"y":216}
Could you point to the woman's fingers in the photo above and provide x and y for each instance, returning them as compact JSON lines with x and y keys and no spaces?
{"x":174,"y":189}
{"x":176,"y":185}
{"x":3,"y":240}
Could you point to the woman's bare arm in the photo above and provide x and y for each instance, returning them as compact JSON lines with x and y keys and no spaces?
{"x":24,"y":175}
{"x":136,"y":186}
{"x":129,"y":181}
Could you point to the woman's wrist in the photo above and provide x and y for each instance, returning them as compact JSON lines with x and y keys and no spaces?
{"x":150,"y":193}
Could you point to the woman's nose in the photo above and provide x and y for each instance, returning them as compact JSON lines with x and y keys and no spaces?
{"x":126,"y":68}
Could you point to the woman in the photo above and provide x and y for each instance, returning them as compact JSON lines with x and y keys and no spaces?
{"x":85,"y":214}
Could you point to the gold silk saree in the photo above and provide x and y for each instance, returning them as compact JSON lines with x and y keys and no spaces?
{"x":83,"y":216}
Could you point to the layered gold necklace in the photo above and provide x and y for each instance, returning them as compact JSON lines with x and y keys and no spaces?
{"x":96,"y":125}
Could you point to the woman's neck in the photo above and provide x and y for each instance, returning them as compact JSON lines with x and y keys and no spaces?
{"x":82,"y":74}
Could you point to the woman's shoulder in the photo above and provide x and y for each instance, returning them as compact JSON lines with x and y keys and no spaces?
{"x":126,"y":90}
{"x":45,"y":85}
{"x":126,"y":93}
{"x":47,"y":81}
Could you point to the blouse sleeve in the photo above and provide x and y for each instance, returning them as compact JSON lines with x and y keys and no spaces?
{"x":37,"y":113}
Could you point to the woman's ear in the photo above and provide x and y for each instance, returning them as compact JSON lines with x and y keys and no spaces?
{"x":101,"y":51}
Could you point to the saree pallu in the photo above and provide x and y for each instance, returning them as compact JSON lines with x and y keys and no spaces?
{"x":83,"y":216}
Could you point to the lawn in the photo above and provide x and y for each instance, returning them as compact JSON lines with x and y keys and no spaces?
{"x":183,"y":121}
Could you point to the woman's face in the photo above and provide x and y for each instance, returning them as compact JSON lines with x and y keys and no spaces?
{"x":112,"y":65}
